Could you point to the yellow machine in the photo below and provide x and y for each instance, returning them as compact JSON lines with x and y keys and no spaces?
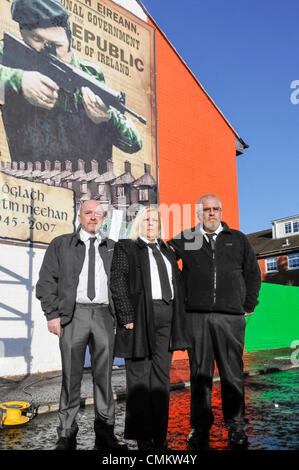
{"x":13,"y":413}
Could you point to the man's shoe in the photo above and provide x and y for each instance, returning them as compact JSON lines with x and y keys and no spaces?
{"x":109,"y":443}
{"x":237,"y":439}
{"x":66,"y":443}
{"x":145,"y":445}
{"x":198,"y":439}
{"x":105,"y":438}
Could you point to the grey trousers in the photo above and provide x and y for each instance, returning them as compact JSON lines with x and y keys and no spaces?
{"x":93,"y":326}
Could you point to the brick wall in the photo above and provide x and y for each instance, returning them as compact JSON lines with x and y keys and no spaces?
{"x":196,"y":146}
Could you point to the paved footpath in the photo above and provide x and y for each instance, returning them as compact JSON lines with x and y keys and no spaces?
{"x":43,"y":390}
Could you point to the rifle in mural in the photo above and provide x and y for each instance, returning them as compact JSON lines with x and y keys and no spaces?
{"x":17,"y":54}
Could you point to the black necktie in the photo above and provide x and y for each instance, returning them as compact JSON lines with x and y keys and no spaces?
{"x":211,"y":240}
{"x":91,"y":293}
{"x":164,"y":279}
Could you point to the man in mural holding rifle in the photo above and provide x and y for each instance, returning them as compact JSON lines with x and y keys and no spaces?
{"x":44,"y":122}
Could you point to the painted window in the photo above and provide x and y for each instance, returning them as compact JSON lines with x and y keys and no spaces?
{"x":143,"y":194}
{"x":293,"y":261}
{"x":271,"y":265}
{"x":120,"y":191}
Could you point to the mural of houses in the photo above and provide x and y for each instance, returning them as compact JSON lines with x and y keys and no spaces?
{"x":112,"y":191}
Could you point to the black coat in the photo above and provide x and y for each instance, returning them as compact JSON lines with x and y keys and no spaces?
{"x":130,"y":285}
{"x":228,"y":282}
{"x":59,"y":275}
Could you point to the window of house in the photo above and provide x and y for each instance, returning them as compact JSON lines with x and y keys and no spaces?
{"x":84,"y":188}
{"x":271,"y":265}
{"x":293,"y":261}
{"x":296,"y":226}
{"x":143,"y":194}
{"x":120,"y":191}
{"x":290,"y":227}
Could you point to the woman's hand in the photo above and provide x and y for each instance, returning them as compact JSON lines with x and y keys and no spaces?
{"x":129,"y":326}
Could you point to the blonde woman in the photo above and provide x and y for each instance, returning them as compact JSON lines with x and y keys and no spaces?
{"x":151,"y":324}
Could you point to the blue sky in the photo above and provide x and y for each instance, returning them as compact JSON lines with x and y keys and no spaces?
{"x":246,"y":55}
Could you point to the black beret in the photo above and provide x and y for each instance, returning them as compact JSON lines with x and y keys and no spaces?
{"x":31,"y":14}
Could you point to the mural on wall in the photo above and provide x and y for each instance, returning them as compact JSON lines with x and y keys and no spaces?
{"x":79,"y":114}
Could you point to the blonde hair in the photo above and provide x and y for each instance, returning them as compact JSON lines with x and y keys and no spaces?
{"x":135,"y":228}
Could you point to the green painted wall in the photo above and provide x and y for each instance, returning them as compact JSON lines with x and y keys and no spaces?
{"x":275,"y":323}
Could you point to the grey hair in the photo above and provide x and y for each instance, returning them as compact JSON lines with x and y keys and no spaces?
{"x":199,"y":204}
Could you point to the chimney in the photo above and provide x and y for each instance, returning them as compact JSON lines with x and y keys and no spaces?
{"x":81,"y":165}
{"x":127,"y":167}
{"x":38,"y":166}
{"x":57,"y":165}
{"x":68,"y":165}
{"x":29,"y":166}
{"x":22,"y":166}
{"x":109,"y":164}
{"x":47,"y":165}
{"x":7,"y":165}
{"x":14,"y":165}
{"x":147,"y":169}
{"x":94,"y":166}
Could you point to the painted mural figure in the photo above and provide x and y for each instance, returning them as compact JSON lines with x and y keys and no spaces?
{"x":150,"y":324}
{"x":42,"y":121}
{"x":74,"y":294}
{"x":222,"y":280}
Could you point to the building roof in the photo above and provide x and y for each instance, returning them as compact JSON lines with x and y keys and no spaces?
{"x":291,"y":217}
{"x":264,"y":245}
{"x":145,"y":180}
{"x":125,"y":178}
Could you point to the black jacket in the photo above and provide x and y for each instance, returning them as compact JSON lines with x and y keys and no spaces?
{"x":130,"y":284}
{"x":59,"y":275}
{"x":227,"y":281}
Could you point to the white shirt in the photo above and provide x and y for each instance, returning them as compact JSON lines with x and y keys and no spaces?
{"x":217,"y":231}
{"x":101,"y":282}
{"x":155,"y":279}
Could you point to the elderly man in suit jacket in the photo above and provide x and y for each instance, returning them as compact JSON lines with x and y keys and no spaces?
{"x":73,"y":288}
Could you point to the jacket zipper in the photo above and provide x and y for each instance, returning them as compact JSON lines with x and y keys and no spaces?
{"x":215,"y":278}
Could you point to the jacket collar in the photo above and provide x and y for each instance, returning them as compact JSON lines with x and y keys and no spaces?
{"x":224,"y":225}
{"x":76,"y":238}
{"x":142,"y":244}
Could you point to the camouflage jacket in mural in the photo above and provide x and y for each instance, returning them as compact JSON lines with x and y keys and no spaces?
{"x":65,"y":132}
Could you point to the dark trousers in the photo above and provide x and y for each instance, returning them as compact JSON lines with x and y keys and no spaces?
{"x":220,"y":337}
{"x":148,"y":383}
{"x":93,"y":326}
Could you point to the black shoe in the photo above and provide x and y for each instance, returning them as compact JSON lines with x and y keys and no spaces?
{"x":145,"y":445}
{"x":66,"y":443}
{"x":105,"y":438}
{"x":198,"y":439}
{"x":109,"y":443}
{"x":237,"y":439}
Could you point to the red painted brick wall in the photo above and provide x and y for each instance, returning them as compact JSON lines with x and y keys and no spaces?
{"x":196,"y":146}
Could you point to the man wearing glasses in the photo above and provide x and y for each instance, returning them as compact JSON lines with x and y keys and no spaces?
{"x":221,"y":280}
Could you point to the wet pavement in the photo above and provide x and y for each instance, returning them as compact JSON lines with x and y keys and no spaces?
{"x":272,"y":408}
